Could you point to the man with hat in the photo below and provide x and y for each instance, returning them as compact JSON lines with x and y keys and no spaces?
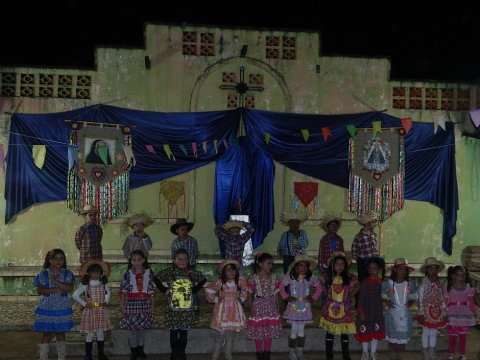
{"x":139,"y":240}
{"x":88,"y":237}
{"x":234,"y":242}
{"x":364,"y":245}
{"x":331,"y":241}
{"x":294,"y":241}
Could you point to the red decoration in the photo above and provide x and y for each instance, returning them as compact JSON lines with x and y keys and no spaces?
{"x":305,"y":191}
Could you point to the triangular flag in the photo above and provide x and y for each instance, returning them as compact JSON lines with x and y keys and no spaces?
{"x":194,"y":149}
{"x":475,"y":116}
{"x":184,"y":149}
{"x":2,"y":159}
{"x":102,"y":153}
{"x":215,"y":146}
{"x":38,"y":153}
{"x":168,"y":151}
{"x":352,"y":130}
{"x":205,"y":147}
{"x":72,"y":155}
{"x":225,"y":143}
{"x":127,"y":150}
{"x":406,"y":124}
{"x":439,"y":120}
{"x":150,"y":149}
{"x":305,"y":134}
{"x":267,"y":138}
{"x":326,"y":133}
{"x":376,"y":128}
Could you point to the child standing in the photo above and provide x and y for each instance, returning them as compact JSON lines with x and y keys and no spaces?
{"x":88,"y":237}
{"x":370,"y":321}
{"x":227,"y":293}
{"x":329,"y":242}
{"x":182,"y":282}
{"x":300,"y":288}
{"x":139,"y":240}
{"x":294,"y":241}
{"x":337,"y":316}
{"x":96,"y":292}
{"x":233,"y":241}
{"x":264,"y":323}
{"x":459,"y":299}
{"x":431,"y":306}
{"x":399,"y":294}
{"x":136,"y":305}
{"x":364,"y":245}
{"x":53,"y":315}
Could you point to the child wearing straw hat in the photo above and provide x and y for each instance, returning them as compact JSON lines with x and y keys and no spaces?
{"x":294,"y":241}
{"x":88,"y":237}
{"x":331,"y":241}
{"x":233,"y":240}
{"x":431,"y":306}
{"x":139,"y":240}
{"x":364,"y":245}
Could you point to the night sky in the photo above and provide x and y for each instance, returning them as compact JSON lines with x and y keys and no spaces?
{"x":425,"y":40}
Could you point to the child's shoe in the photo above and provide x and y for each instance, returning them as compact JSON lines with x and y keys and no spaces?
{"x":365,"y":356}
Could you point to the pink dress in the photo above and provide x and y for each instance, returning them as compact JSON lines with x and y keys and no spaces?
{"x":265,"y":321}
{"x":228,"y":311}
{"x":460,"y":310}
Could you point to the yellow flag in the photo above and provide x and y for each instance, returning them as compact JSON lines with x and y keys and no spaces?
{"x":376,"y":127}
{"x":38,"y":154}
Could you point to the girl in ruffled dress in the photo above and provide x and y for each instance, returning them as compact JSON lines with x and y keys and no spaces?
{"x":300,"y":288}
{"x":264,"y":323}
{"x":228,"y":318}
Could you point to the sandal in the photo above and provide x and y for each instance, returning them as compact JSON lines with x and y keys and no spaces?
{"x":450,"y":357}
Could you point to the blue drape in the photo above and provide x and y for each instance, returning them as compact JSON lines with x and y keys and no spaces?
{"x":245,"y":171}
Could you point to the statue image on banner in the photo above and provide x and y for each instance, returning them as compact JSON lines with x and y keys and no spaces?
{"x":100,"y":151}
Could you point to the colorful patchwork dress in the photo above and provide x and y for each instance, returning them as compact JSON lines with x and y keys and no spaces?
{"x":431,"y":304}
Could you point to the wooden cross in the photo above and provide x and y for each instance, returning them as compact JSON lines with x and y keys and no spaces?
{"x":241,"y":87}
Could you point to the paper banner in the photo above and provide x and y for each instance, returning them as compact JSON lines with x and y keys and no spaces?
{"x":326,"y":133}
{"x":305,"y":134}
{"x":406,"y":124}
{"x":184,"y":149}
{"x":439,"y":121}
{"x":127,"y":150}
{"x":150,"y":149}
{"x":2,"y":159}
{"x":267,"y":138}
{"x":215,"y":146}
{"x":204,"y":145}
{"x":351,"y":129}
{"x":72,"y":155}
{"x":38,"y":154}
{"x":168,"y":152}
{"x":475,"y":116}
{"x":376,"y":128}
{"x":195,"y":150}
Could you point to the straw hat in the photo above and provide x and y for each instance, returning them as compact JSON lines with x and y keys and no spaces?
{"x":302,"y":258}
{"x":181,"y":222}
{"x":328,"y":218}
{"x":366,"y":218}
{"x":105,"y":267}
{"x":432,"y":261}
{"x":290,"y":214}
{"x":400,"y":262}
{"x":232,"y":224}
{"x":226,"y":262}
{"x":88,"y":209}
{"x":139,"y":218}
{"x":338,"y":254}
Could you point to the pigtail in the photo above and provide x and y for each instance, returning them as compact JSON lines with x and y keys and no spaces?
{"x":450,"y":272}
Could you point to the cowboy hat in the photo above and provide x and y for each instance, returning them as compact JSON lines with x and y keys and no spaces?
{"x":226,"y":262}
{"x":366,"y":218}
{"x":105,"y":267}
{"x":302,"y":258}
{"x":88,"y":209}
{"x":338,"y":254}
{"x":430,"y":262}
{"x":401,"y":262}
{"x":139,"y":218}
{"x":181,"y":222}
{"x":232,"y":224}
{"x":327,"y":219}
{"x":291,"y":214}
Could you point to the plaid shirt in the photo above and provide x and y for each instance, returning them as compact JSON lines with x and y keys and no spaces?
{"x":88,"y":240}
{"x":328,"y":244}
{"x":190,"y":245}
{"x":364,"y":245}
{"x":234,"y":245}
{"x":288,"y":246}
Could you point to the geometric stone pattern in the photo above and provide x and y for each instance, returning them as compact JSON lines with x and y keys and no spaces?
{"x":285,"y":49}
{"x":195,"y":44}
{"x":429,"y":98}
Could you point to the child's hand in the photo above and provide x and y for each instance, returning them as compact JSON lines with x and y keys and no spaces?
{"x":410,"y":303}
{"x":310,"y":299}
{"x":389,"y":303}
{"x":290,"y":298}
{"x":420,"y":318}
{"x":122,"y":311}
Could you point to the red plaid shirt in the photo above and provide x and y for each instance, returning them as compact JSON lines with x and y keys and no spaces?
{"x":364,"y":245}
{"x":88,"y":240}
{"x":328,"y":244}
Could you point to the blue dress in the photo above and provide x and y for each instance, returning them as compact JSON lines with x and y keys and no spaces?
{"x":54,"y":311}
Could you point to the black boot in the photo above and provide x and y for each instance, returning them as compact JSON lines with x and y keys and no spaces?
{"x":345,"y":351}
{"x":88,"y":350}
{"x":260,"y":355}
{"x":101,"y":351}
{"x":140,"y":354}
{"x":266,"y":355}
{"x":174,"y":353}
{"x":181,"y":350}
{"x":329,"y":346}
{"x":133,"y":354}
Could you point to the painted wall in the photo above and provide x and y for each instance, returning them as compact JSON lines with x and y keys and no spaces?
{"x":180,"y":83}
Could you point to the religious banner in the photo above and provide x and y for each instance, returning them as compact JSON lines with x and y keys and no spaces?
{"x":99,"y":169}
{"x":377,"y":172}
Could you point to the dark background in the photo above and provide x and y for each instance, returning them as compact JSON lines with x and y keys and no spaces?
{"x":425,"y":40}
